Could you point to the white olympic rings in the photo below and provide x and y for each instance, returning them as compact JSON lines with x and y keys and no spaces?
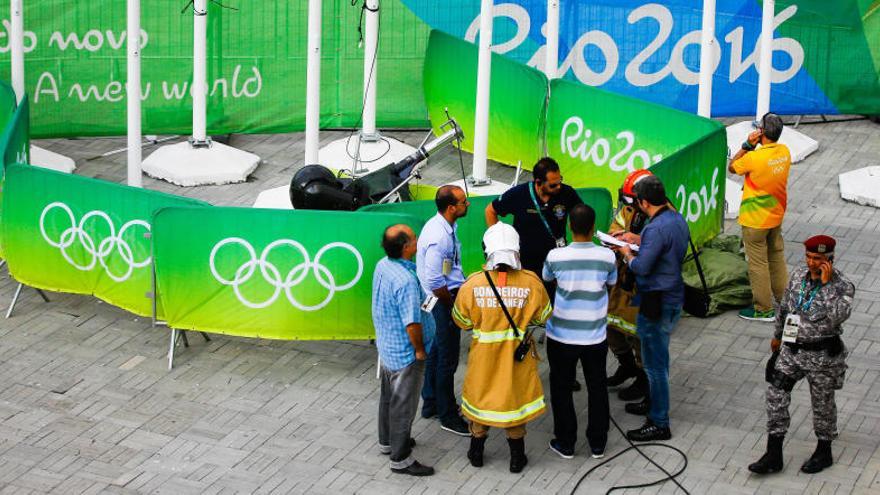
{"x":294,"y":277}
{"x":103,"y":250}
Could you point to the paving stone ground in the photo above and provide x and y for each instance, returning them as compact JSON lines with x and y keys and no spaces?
{"x":88,"y":406}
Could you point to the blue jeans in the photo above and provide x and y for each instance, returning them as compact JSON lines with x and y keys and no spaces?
{"x":438,"y":390}
{"x":654,"y":335}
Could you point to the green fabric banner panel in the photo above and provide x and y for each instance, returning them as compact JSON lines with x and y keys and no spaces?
{"x":599,"y":137}
{"x":75,"y":234}
{"x":75,"y":58}
{"x":15,"y":144}
{"x":472,"y":227}
{"x":517,"y":96}
{"x":270,"y":273}
{"x":694,"y":178}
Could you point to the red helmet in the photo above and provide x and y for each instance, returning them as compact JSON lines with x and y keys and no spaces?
{"x":627,"y":191}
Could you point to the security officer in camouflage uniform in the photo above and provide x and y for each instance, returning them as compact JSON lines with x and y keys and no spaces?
{"x":807,"y":343}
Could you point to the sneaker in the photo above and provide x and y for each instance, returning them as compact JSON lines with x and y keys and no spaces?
{"x":597,"y":452}
{"x":555,"y":446}
{"x":751,"y":313}
{"x":457,"y":426}
{"x":649,"y":432}
{"x":415,"y":469}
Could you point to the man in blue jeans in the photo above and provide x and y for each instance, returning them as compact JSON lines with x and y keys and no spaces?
{"x":660,"y":296}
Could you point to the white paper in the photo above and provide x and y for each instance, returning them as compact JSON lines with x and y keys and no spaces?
{"x":613,"y":241}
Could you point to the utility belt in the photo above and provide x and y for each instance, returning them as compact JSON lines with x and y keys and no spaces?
{"x":831,"y":344}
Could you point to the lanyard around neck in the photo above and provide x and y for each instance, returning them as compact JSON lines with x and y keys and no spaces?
{"x":801,"y":306}
{"x":538,"y":207}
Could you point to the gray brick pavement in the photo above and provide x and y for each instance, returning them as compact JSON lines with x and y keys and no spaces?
{"x":87,"y":406}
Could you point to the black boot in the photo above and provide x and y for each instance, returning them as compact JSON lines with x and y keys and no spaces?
{"x":771,"y":461}
{"x":475,"y":452}
{"x":637,"y":390}
{"x":518,"y":459}
{"x":820,"y":459}
{"x":625,"y":370}
{"x":640,"y":408}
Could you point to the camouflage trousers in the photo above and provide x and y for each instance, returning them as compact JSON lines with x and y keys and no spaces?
{"x":824,"y":374}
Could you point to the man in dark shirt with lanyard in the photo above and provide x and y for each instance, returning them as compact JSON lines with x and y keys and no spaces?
{"x":540,"y":211}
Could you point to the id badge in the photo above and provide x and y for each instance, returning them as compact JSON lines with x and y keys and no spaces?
{"x":791,"y":327}
{"x":560,"y":242}
{"x":447,"y":266}
{"x":428,"y":303}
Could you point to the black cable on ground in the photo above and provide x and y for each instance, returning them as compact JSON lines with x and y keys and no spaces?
{"x":638,"y":448}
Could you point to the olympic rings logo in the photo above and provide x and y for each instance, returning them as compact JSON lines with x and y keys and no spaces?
{"x":95,"y":252}
{"x":294,"y":277}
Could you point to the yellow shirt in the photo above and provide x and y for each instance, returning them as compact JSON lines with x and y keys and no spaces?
{"x":764,"y":193}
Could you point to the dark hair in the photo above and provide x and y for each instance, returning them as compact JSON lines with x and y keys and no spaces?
{"x":772,"y":126}
{"x":445,"y":197}
{"x":393,"y":242}
{"x":544,"y":165}
{"x":582,"y":219}
{"x":651,"y":190}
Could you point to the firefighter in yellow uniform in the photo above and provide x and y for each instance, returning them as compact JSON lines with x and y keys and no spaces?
{"x":622,"y":338}
{"x":499,"y":390}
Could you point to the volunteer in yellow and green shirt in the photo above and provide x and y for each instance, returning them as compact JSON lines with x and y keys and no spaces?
{"x":765,"y":170}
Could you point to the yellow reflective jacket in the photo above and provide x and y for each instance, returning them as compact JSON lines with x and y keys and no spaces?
{"x":499,"y":391}
{"x":621,"y":314}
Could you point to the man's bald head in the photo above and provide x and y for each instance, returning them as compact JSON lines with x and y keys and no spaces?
{"x":396,"y":238}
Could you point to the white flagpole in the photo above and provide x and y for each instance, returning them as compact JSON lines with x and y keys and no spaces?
{"x":551,"y":64}
{"x":16,"y":48}
{"x":707,"y":53}
{"x":200,"y":73}
{"x":766,"y":58}
{"x":313,"y":83}
{"x":133,"y":93}
{"x":371,"y":68}
{"x":484,"y":78}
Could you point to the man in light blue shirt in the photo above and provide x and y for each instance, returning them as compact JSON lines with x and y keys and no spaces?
{"x":439,"y":268}
{"x":404,"y":337}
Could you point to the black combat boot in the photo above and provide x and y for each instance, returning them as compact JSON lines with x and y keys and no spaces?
{"x":518,"y":459}
{"x":820,"y":459}
{"x":625,"y":370}
{"x":637,"y":390}
{"x":475,"y":452}
{"x":771,"y":461}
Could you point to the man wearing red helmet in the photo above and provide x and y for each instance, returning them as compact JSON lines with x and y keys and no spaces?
{"x":807,"y":344}
{"x":622,"y":338}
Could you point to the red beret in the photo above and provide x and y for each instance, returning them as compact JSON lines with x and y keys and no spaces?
{"x":821,"y":244}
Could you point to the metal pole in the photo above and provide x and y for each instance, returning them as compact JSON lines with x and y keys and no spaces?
{"x":766,"y":58}
{"x":484,"y":78}
{"x":707,"y":55}
{"x":16,"y":48}
{"x":133,"y":92}
{"x":313,"y":83}
{"x":200,"y":73}
{"x":551,"y":64}
{"x":371,"y":69}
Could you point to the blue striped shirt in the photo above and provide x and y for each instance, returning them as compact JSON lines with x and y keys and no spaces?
{"x":583,"y":272}
{"x":397,"y":300}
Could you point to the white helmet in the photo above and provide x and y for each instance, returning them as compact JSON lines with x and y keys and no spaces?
{"x":501,"y":243}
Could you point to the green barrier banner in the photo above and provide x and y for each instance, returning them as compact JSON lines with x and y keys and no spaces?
{"x":75,"y":66}
{"x":270,"y":273}
{"x":472,"y":227}
{"x":75,"y":234}
{"x":599,"y":137}
{"x":15,"y":144}
{"x":516,"y":106}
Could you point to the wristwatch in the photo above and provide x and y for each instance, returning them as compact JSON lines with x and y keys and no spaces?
{"x":748,"y":146}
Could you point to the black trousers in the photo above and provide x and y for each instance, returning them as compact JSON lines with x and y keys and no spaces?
{"x":563,"y":360}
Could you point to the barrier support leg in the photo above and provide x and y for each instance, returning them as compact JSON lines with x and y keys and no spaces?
{"x":43,"y":295}
{"x":171,"y":348}
{"x":14,"y":300}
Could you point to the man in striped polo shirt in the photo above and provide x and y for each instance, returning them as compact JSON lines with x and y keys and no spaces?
{"x":583,"y":273}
